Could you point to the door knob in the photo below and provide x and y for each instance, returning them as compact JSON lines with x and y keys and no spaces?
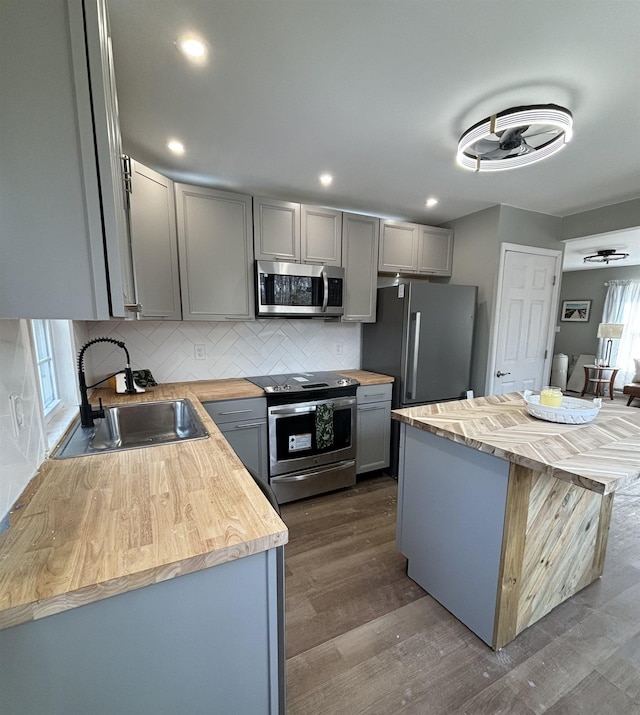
{"x":502,"y":374}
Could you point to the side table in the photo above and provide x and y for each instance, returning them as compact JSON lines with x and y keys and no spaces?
{"x":603,"y":376}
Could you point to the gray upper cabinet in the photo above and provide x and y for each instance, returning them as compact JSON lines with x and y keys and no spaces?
{"x":286,"y":231}
{"x":61,"y":196}
{"x":321,"y":236}
{"x":215,"y":248}
{"x":435,"y":251}
{"x":360,"y":237}
{"x":154,"y":244}
{"x":276,"y":230}
{"x":398,"y":247}
{"x":413,"y":248}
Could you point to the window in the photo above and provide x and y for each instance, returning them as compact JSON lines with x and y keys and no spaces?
{"x":54,"y":361}
{"x":45,"y":365}
{"x":622,"y":306}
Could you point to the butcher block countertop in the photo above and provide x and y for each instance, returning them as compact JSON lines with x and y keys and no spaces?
{"x":92,"y":527}
{"x":601,"y":455}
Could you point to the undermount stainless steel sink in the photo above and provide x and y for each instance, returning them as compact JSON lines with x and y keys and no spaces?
{"x":142,"y":424}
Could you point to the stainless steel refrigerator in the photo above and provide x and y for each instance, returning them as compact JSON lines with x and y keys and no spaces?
{"x":423,"y":337}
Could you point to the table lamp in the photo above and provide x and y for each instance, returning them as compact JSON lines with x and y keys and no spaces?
{"x":610,"y":332}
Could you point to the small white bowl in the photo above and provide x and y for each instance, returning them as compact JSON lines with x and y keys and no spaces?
{"x":572,"y":412}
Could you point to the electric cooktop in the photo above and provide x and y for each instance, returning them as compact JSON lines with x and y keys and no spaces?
{"x":302,"y":382}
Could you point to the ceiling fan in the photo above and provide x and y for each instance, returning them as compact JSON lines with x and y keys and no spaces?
{"x":513,"y":142}
{"x":515,"y":137}
{"x":605,"y":255}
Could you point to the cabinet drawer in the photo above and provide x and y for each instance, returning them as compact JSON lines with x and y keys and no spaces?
{"x":374,"y":393}
{"x":235,"y":410}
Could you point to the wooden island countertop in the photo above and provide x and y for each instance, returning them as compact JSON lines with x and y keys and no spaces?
{"x":92,"y":527}
{"x":601,"y":455}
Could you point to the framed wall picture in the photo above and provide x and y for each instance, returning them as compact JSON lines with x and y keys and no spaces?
{"x":576,"y":310}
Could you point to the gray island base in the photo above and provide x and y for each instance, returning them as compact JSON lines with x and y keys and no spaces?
{"x":498,"y":516}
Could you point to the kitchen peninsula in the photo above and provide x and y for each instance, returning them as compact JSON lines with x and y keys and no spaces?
{"x":146,"y":580}
{"x":502,"y":516}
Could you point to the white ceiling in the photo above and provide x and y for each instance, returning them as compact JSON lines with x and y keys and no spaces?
{"x":378,"y":92}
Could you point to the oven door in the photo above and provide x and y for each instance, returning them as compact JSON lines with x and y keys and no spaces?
{"x":293,"y":438}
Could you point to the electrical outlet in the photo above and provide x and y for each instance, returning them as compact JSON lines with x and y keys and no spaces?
{"x":199,"y":352}
{"x":339,"y":348}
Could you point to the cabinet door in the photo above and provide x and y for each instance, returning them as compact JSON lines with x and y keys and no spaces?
{"x":244,"y":425}
{"x":154,"y":244}
{"x":398,"y":247}
{"x":216,"y":265}
{"x":435,"y":251}
{"x":374,"y":434}
{"x":276,"y":230}
{"x":360,"y":238}
{"x":52,"y":240}
{"x":321,"y":236}
{"x":249,"y":442}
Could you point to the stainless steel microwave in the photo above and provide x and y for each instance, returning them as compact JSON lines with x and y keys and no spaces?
{"x":298,"y":290}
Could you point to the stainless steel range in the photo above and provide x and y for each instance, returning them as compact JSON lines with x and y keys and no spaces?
{"x":312,"y":432}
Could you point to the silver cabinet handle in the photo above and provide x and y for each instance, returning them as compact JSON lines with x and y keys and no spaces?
{"x":247,"y":425}
{"x":416,"y":350}
{"x":366,"y":409}
{"x":235,"y":412}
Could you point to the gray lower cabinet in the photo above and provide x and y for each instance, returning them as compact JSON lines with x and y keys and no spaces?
{"x":373,"y":427}
{"x":216,"y":254}
{"x":209,"y":641}
{"x":154,"y":244}
{"x":451,"y":514}
{"x":360,"y":237}
{"x":244,"y":425}
{"x":64,"y":240}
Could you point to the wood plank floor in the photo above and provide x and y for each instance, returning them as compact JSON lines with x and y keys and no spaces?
{"x":364,"y":638}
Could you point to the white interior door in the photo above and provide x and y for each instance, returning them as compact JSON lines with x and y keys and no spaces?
{"x":523,"y":331}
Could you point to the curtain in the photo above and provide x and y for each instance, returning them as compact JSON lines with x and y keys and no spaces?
{"x":622,"y":306}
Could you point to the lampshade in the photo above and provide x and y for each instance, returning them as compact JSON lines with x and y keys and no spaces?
{"x":515,"y":137}
{"x":612,"y":331}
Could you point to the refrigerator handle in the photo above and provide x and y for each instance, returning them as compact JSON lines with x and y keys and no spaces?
{"x":416,"y":348}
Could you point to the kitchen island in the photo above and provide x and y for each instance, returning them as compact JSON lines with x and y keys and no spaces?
{"x":502,"y":516}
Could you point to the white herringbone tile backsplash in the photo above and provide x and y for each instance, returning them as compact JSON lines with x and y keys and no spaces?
{"x":237,"y":349}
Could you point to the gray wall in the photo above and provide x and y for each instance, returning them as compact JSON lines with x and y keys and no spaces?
{"x":603,"y":220}
{"x":580,"y":338}
{"x":476,"y":260}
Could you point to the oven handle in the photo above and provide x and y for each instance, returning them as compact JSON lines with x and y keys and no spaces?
{"x":300,"y":409}
{"x":325,"y":283}
{"x":336,"y":466}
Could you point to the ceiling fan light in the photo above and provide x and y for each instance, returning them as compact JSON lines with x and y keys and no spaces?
{"x":550,"y":115}
{"x":605,"y":255}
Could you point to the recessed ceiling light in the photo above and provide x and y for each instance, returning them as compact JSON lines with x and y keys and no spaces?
{"x":173,"y":145}
{"x":326,"y":179}
{"x":431,"y":202}
{"x":192,"y":48}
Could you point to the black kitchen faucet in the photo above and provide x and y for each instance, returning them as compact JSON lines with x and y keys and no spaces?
{"x":88,"y":413}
